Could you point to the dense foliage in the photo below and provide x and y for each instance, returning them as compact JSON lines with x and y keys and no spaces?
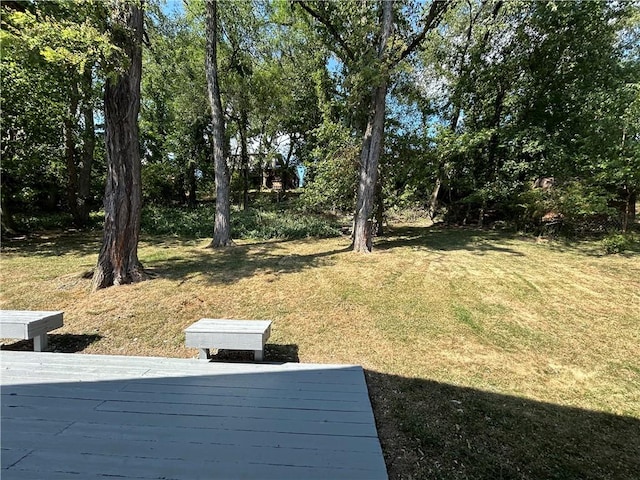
{"x":519,"y":112}
{"x":266,"y":222}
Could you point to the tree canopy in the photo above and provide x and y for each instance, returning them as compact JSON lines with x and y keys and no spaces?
{"x":457,"y":108}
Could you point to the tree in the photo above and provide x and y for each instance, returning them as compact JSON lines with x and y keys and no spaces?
{"x":239,"y":37}
{"x":52,"y":49}
{"x":371,"y":49}
{"x":174,"y":120}
{"x":118,"y":259}
{"x":521,"y":90}
{"x":222,"y":223}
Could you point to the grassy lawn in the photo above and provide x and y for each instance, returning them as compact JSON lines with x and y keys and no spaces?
{"x":487,"y":355}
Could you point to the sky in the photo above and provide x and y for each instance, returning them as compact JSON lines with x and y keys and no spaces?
{"x":170,"y":7}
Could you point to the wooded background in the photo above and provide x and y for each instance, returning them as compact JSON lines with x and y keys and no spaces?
{"x":519,"y":112}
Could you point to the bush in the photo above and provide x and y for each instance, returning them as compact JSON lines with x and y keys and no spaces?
{"x":264,"y":225}
{"x":179,"y":221}
{"x":161,"y":183}
{"x":619,"y":243}
{"x":41,"y":221}
{"x":583,"y":209}
{"x":332,"y":178}
{"x":249,"y":224}
{"x":586,"y":209}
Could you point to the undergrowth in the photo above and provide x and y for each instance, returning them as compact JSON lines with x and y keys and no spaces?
{"x":284,"y":224}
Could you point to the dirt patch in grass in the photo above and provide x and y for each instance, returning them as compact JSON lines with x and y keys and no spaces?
{"x":487,"y":355}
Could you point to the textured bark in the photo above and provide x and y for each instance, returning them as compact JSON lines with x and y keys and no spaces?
{"x":79,"y":162}
{"x":372,"y":147}
{"x":433,"y":198}
{"x":118,"y":260}
{"x":629,"y":216}
{"x":70,"y":152}
{"x":7,"y":222}
{"x":88,"y":149}
{"x":222,"y":223}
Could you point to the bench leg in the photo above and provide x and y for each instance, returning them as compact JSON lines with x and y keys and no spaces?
{"x":258,"y":355}
{"x":204,"y":354}
{"x":40,"y":342}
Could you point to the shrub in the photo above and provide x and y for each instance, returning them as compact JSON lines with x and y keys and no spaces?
{"x":194,"y":222}
{"x":586,"y":209}
{"x":283,"y":224}
{"x":618,"y":243}
{"x":161,"y":183}
{"x":248,"y":224}
{"x":332,"y":177}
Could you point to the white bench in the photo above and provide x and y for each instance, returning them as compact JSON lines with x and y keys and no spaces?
{"x":228,"y":334}
{"x":27,"y":324}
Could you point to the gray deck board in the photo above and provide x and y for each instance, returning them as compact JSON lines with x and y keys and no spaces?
{"x":221,"y":397}
{"x":90,"y":416}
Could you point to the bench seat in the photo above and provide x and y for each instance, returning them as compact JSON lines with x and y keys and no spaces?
{"x":228,"y":334}
{"x":27,"y":324}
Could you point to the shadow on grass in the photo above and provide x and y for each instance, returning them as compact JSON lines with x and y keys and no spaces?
{"x":63,"y":343}
{"x":54,"y":244}
{"x":229,"y":265}
{"x":273,"y":353}
{"x":435,"y":430}
{"x":593,"y":247}
{"x":446,"y":239}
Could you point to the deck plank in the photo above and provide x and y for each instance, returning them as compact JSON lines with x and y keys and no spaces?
{"x":180,"y":450}
{"x":218,"y":397}
{"x":178,"y":469}
{"x":86,"y":416}
{"x":225,"y":437}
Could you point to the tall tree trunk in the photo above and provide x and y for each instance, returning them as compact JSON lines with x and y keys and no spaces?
{"x":70,"y":152}
{"x":222,"y":224}
{"x":433,"y":198}
{"x":7,"y":150}
{"x":286,"y":178}
{"x":244,"y":156}
{"x":372,"y":147}
{"x":192,"y":200}
{"x":629,"y":214}
{"x":88,"y":149}
{"x":118,"y":260}
{"x":7,"y":223}
{"x":369,"y":158}
{"x":434,"y":203}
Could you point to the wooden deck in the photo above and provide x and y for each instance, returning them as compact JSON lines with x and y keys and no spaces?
{"x":74,"y":416}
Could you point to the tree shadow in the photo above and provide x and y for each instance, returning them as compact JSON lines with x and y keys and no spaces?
{"x":592,"y":247}
{"x":60,"y":342}
{"x":447,"y":239}
{"x":436,"y":430}
{"x":229,"y":265}
{"x":273,"y":353}
{"x":53,"y":244}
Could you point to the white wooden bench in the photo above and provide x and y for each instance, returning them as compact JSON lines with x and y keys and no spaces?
{"x":228,"y":334}
{"x":27,"y":324}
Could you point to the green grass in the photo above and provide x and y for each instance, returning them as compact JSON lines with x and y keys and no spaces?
{"x":487,"y":355}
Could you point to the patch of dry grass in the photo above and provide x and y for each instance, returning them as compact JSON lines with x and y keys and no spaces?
{"x":487,"y":355}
